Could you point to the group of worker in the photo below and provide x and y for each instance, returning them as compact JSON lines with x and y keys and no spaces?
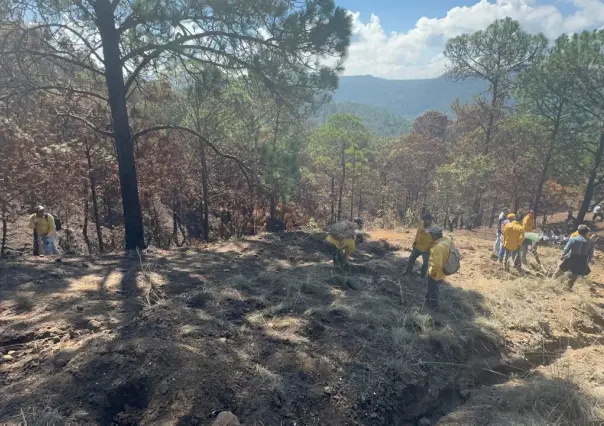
{"x":429,"y":243}
{"x":511,"y":242}
{"x":515,"y":237}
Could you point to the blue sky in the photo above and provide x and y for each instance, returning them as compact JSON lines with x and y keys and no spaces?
{"x":399,"y":15}
{"x":404,"y":39}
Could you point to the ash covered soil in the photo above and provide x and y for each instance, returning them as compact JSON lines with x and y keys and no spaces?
{"x":266,"y":329}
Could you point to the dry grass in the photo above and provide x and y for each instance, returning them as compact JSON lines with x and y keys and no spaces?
{"x":36,"y":416}
{"x":291,"y":325}
{"x":568,"y":392}
{"x":151,"y":282}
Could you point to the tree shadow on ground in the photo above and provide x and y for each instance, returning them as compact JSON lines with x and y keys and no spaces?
{"x":265,"y":329}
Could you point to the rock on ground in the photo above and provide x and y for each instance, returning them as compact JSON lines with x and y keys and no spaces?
{"x":226,"y":418}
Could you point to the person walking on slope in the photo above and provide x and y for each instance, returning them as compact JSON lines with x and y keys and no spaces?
{"x":421,"y":246}
{"x":43,"y":225}
{"x":439,"y":254}
{"x":508,"y":219}
{"x":502,"y":217}
{"x":528,"y":221}
{"x":513,"y":237}
{"x":576,"y":256}
{"x":528,"y":224}
{"x":342,"y":238}
{"x":598,"y":213}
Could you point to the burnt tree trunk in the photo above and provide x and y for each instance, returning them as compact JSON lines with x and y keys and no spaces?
{"x":116,"y":89}
{"x":4,"y":235}
{"x":493,"y":213}
{"x":85,"y":226}
{"x":548,"y":158}
{"x":333,"y":200}
{"x":95,"y":201}
{"x":342,"y":181}
{"x":206,"y":198}
{"x":591,"y":182}
{"x":354,"y":164}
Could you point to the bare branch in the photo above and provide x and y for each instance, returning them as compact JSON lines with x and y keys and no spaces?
{"x":87,"y":123}
{"x":179,"y":43}
{"x":55,"y":87}
{"x":202,"y":138}
{"x":73,"y":31}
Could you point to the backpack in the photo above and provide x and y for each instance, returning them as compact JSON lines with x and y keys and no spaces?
{"x":344,"y":230}
{"x":58,"y":224}
{"x":452,"y":264}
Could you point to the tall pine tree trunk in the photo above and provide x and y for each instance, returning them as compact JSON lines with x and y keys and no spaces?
{"x":133,"y":219}
{"x":476,"y":208}
{"x":493,"y":213}
{"x":95,"y":201}
{"x":4,"y":235}
{"x":343,"y":179}
{"x":354,"y":164}
{"x":591,"y":182}
{"x":204,"y":187}
{"x":544,"y":172}
{"x":85,"y":225}
{"x":333,"y":200}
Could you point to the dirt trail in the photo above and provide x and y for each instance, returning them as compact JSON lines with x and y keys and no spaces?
{"x":263,"y":328}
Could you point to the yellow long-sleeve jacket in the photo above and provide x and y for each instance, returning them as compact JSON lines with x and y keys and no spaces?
{"x":576,"y":234}
{"x":513,"y":236}
{"x":45,"y":225}
{"x":528,"y":223}
{"x":423,"y":240}
{"x":347,"y":244}
{"x":439,"y":254}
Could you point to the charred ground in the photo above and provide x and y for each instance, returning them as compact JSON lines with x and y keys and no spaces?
{"x":265,"y":328}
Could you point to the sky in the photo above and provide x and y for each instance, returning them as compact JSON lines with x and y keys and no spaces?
{"x":404,"y":39}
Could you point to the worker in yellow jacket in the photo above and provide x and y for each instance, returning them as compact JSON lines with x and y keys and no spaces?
{"x":44,"y":225}
{"x":342,"y":238}
{"x":439,"y":255}
{"x":528,"y":222}
{"x":421,"y":246}
{"x":513,"y":236}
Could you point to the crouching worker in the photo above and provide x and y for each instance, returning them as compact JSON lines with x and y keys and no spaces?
{"x":444,"y":260}
{"x":421,"y":246}
{"x":530,"y":244}
{"x":342,"y":238}
{"x":576,"y":256}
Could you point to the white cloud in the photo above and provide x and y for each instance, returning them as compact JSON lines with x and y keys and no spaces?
{"x":418,"y":52}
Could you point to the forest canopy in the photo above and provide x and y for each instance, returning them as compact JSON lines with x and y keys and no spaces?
{"x":167,"y":122}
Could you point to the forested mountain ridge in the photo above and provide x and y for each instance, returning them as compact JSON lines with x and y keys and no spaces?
{"x":407,"y":98}
{"x":380,"y":121}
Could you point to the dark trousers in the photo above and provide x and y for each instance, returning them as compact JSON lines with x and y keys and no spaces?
{"x":432,"y":294}
{"x":415,"y":253}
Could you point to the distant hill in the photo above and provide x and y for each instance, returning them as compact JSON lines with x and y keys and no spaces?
{"x":379,"y":120}
{"x":406,"y":98}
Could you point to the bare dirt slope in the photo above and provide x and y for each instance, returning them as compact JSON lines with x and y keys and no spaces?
{"x":265,"y":329}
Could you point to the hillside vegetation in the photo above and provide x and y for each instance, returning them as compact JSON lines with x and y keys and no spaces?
{"x":378,"y":120}
{"x":177,"y":143}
